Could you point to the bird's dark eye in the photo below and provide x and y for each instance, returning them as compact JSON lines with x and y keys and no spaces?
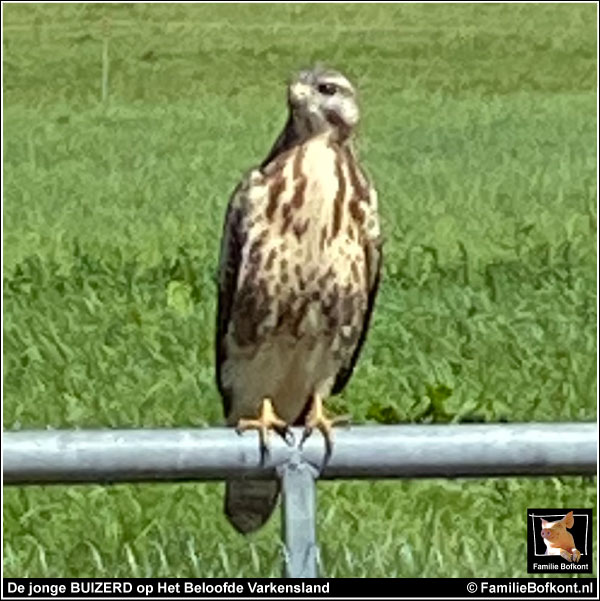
{"x":327,"y":89}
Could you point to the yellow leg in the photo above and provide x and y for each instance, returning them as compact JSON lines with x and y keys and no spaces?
{"x":316,"y":418}
{"x":267,"y":420}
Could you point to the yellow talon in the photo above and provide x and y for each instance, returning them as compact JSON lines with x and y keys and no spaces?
{"x":317,"y":419}
{"x":267,"y":420}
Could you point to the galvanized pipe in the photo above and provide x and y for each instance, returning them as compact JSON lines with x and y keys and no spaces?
{"x":299,"y":518}
{"x":63,"y":456}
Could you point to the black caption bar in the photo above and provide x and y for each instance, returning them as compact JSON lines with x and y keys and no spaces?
{"x":213,"y":588}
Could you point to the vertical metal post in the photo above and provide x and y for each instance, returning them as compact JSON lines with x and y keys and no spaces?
{"x":298,"y":508}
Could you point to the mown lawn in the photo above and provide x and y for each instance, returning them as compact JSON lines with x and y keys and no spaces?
{"x":478,"y":128}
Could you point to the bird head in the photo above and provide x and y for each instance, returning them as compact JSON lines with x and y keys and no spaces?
{"x":323,"y":100}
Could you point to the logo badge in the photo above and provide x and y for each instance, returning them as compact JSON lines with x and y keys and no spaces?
{"x":559,"y":541}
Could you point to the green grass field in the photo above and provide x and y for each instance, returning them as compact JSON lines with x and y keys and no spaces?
{"x":479,"y":130}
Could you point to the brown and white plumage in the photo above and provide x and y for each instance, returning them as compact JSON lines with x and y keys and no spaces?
{"x":299,"y":270}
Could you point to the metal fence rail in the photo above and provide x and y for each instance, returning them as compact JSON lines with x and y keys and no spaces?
{"x":55,"y":456}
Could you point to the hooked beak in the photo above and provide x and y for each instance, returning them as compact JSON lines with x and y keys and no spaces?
{"x":298,"y":93}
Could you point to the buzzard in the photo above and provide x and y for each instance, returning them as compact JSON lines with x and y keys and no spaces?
{"x":299,"y":270}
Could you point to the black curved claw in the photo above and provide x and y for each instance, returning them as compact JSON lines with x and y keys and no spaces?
{"x":287,"y":435}
{"x":264,"y":451}
{"x":305,"y":434}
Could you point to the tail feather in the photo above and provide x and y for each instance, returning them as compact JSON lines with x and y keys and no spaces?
{"x":250,"y":503}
